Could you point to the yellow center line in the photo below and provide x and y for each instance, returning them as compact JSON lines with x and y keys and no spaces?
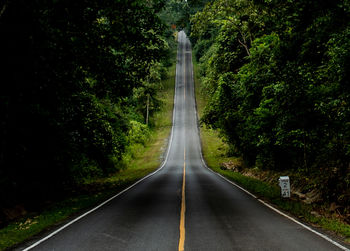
{"x":183,"y":208}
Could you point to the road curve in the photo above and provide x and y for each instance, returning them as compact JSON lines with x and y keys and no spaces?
{"x":184,"y":205}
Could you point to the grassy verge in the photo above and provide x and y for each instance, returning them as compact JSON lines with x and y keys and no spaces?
{"x":215,"y":153}
{"x":145,"y":160}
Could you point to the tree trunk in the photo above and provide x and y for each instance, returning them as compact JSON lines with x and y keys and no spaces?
{"x":147,"y":111}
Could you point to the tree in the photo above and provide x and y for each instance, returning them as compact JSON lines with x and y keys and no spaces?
{"x":276,"y":73}
{"x":67,"y":68}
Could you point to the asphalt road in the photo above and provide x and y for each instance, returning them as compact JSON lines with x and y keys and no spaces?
{"x":184,"y":205}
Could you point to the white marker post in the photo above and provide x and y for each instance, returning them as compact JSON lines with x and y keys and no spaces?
{"x":285,"y":186}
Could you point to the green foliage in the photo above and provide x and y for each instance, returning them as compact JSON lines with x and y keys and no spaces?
{"x":215,"y":152}
{"x":277,"y":76}
{"x":145,"y":96}
{"x":178,"y":12}
{"x":139,"y":133}
{"x":94,"y":187}
{"x":70,"y":70}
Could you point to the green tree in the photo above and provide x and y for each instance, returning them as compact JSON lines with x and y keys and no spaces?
{"x":277,"y":76}
{"x":67,"y":69}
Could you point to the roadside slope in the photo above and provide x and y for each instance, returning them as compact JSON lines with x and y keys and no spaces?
{"x":145,"y":159}
{"x":215,"y":153}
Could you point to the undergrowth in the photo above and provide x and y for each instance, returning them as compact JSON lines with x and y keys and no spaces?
{"x":142,"y":159}
{"x":215,"y":153}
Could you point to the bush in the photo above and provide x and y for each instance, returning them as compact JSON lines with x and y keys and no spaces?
{"x":139,"y":133}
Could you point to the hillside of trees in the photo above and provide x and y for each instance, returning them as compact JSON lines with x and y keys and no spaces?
{"x":75,"y":79}
{"x":277,"y":74}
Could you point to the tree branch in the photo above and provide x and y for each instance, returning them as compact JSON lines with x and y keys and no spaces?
{"x":245,"y":47}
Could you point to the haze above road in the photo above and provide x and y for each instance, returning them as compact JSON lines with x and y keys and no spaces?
{"x":184,"y":205}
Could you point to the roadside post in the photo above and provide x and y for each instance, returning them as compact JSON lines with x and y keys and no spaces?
{"x":285,"y":186}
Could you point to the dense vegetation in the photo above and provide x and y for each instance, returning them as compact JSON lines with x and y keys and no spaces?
{"x":179,"y":12}
{"x":78,"y":82}
{"x":277,"y":76}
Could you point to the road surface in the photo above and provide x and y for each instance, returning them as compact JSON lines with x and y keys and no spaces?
{"x":184,"y":205}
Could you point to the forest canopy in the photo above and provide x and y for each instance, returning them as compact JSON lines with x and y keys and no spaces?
{"x":74,"y":76}
{"x":277,"y":77}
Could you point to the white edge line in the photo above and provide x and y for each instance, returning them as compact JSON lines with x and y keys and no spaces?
{"x":304,"y":226}
{"x":261,"y":201}
{"x":126,"y":189}
{"x":276,"y":210}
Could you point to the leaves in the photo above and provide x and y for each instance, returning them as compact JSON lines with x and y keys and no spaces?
{"x":285,"y":102}
{"x":69,"y":70}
